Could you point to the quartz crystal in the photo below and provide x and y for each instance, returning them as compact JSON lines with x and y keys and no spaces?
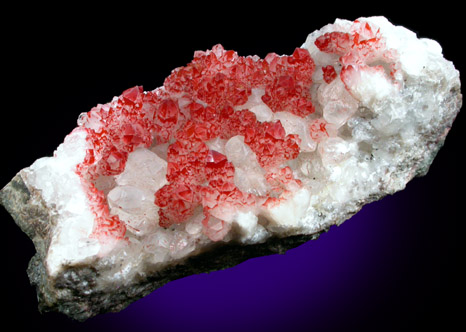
{"x":233,"y":157}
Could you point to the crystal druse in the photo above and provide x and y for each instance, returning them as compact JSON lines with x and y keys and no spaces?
{"x":233,"y":157}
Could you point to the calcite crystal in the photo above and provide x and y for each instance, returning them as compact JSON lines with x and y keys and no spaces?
{"x":233,"y":157}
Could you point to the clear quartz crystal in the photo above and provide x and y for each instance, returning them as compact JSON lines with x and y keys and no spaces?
{"x":294,"y":124}
{"x":249,"y":175}
{"x":130,"y":199}
{"x":144,"y":169}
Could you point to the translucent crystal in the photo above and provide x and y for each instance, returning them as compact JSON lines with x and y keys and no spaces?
{"x":145,"y":170}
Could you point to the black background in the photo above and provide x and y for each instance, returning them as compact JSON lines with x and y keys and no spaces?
{"x":59,"y":62}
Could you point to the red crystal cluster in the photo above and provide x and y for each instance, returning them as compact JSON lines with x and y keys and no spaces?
{"x":201,"y":102}
{"x":362,"y":49}
{"x":196,"y":104}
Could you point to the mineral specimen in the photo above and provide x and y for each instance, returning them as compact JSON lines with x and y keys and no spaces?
{"x":233,"y":157}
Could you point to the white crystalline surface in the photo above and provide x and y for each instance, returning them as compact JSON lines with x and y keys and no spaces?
{"x":377,"y":122}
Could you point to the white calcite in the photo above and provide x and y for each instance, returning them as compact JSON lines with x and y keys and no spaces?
{"x":70,"y":242}
{"x":381,"y":130}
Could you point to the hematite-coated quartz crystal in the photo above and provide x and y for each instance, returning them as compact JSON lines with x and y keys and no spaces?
{"x":233,"y":157}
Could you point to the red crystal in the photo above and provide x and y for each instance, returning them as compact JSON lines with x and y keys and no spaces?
{"x":215,"y":159}
{"x":334,"y":42}
{"x":133,"y":94}
{"x":329,"y":74}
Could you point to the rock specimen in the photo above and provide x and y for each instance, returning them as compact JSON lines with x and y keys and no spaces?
{"x":233,"y":157}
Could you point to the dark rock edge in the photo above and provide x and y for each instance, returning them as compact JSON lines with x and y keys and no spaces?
{"x":73,"y":293}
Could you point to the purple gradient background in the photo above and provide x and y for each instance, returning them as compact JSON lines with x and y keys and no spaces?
{"x":395,"y":265}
